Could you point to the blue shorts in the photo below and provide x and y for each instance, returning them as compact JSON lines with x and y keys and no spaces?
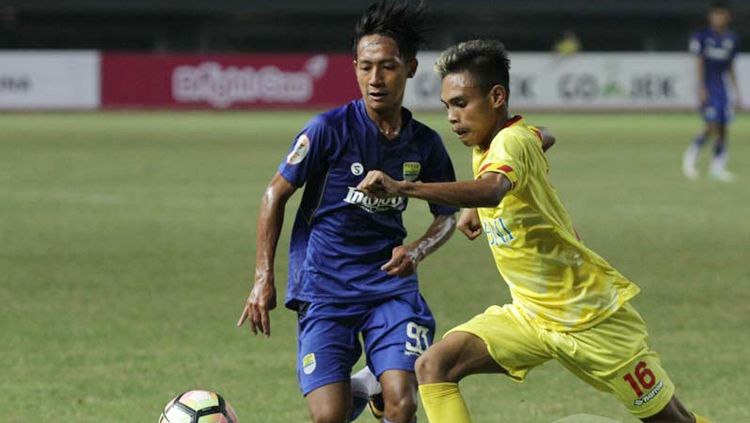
{"x":395,"y":331}
{"x":717,"y":111}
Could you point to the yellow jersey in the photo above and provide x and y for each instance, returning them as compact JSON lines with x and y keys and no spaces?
{"x":552,"y":276}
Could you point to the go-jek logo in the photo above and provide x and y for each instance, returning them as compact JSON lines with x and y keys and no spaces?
{"x":371,"y":204}
{"x":222,"y":86}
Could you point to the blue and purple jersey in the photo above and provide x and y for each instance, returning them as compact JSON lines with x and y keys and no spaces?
{"x":341,"y":237}
{"x":718,"y":51}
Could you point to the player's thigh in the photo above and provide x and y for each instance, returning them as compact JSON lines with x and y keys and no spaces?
{"x":328,"y":344}
{"x":509,"y":338}
{"x":673,"y":412}
{"x":456,"y":356}
{"x":614,"y":356}
{"x":396,"y":332}
{"x":717,"y":114}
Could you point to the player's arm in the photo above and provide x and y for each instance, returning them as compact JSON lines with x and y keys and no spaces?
{"x":700,"y":75}
{"x":262,"y":298}
{"x":733,"y":78}
{"x":405,"y":258}
{"x":486,"y":191}
{"x":696,"y":47}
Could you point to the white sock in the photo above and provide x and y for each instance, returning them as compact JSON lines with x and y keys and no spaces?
{"x":364,"y":381}
{"x":691,"y":155}
{"x":719,"y":162}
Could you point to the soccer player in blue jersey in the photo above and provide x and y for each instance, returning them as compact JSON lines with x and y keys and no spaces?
{"x":351,"y":275}
{"x":716,"y":48}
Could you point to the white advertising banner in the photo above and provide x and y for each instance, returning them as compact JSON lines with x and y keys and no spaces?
{"x":49,"y":80}
{"x":587,"y":81}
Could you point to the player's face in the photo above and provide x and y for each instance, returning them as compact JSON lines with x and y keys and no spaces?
{"x":474,"y":115}
{"x":382,"y":72}
{"x":719,"y":19}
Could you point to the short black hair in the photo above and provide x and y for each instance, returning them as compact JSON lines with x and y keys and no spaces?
{"x":397,"y":19}
{"x":486,"y":60}
{"x":719,"y":4}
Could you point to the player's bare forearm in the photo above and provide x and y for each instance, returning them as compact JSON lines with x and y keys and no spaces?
{"x":484,"y":192}
{"x":735,"y":85}
{"x":262,"y":298}
{"x":269,"y":224}
{"x":701,"y":80}
{"x":437,"y":234}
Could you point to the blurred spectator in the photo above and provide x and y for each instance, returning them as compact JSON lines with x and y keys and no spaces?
{"x":567,"y":44}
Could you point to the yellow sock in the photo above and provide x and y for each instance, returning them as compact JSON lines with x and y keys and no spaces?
{"x":443,"y":403}
{"x":699,"y":419}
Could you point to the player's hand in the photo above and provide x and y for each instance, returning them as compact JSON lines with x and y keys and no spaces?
{"x":378,"y":184}
{"x":260,"y":302}
{"x":469,"y":224}
{"x":702,"y":95}
{"x":403,"y":262}
{"x":548,"y":140}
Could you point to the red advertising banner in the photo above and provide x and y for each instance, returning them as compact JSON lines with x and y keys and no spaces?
{"x":189,"y":81}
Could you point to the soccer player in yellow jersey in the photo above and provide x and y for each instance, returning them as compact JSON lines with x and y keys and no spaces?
{"x":569,"y":304}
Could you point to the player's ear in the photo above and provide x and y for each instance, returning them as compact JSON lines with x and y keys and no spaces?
{"x":413,"y":63}
{"x":354,"y":63}
{"x":498,"y":95}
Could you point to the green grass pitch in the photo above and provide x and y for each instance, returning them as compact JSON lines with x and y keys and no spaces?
{"x":127,"y":245}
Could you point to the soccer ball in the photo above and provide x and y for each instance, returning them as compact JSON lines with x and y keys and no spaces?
{"x":198,"y":407}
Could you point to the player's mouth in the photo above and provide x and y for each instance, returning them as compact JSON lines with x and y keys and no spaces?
{"x":378,"y":95}
{"x":460,"y":132}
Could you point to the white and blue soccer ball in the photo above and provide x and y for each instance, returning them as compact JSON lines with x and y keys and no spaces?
{"x":198,"y":407}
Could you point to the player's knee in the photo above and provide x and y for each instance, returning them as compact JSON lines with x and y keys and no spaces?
{"x":328,"y":413}
{"x":401,"y":409}
{"x":433,"y":367}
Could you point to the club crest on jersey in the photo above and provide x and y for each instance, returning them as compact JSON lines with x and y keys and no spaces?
{"x":300,"y":150}
{"x":411,"y":171}
{"x":372,"y":204}
{"x":308,"y":363}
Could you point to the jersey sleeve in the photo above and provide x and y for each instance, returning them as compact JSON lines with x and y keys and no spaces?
{"x":308,"y":153}
{"x":696,"y":43}
{"x":439,"y":168}
{"x":506,"y":156}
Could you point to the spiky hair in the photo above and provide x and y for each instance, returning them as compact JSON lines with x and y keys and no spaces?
{"x":397,"y":19}
{"x":486,"y":61}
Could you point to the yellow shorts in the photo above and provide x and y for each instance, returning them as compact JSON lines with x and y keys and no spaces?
{"x":612,"y":356}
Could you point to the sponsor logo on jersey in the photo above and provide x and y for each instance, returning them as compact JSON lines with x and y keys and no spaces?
{"x":371,"y":204}
{"x":411,"y":171}
{"x":300,"y":150}
{"x":357,"y":168}
{"x":308,"y":363}
{"x":650,"y":395}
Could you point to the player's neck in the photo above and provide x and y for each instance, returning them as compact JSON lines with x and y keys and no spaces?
{"x":387,"y":121}
{"x":720,"y":30}
{"x":501,"y":122}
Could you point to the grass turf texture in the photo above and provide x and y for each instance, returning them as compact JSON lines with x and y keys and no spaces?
{"x":128,"y":244}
